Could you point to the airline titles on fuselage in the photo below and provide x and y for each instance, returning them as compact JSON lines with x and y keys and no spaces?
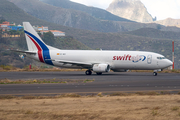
{"x":134,"y":59}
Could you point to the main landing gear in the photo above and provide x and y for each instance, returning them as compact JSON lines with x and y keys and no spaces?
{"x":88,"y":72}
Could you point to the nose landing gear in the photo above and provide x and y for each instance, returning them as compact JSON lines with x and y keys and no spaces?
{"x":155,"y":73}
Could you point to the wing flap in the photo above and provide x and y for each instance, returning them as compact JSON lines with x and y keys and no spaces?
{"x":74,"y":63}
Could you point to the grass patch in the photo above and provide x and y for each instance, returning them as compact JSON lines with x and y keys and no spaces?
{"x":164,"y":71}
{"x":152,"y":93}
{"x":147,"y":93}
{"x":7,"y":81}
{"x":7,"y":97}
{"x":71,"y":95}
{"x":7,"y":68}
{"x":119,"y":94}
{"x":87,"y":80}
{"x":31,"y":97}
{"x":154,"y":112}
{"x":100,"y":94}
{"x":43,"y":81}
{"x":175,"y":108}
{"x":165,"y":93}
{"x":171,"y":71}
{"x":175,"y":71}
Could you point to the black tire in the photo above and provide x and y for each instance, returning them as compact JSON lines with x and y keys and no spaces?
{"x":155,"y":73}
{"x":88,"y":72}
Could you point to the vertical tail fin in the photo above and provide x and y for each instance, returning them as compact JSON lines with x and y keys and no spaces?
{"x":34,"y":42}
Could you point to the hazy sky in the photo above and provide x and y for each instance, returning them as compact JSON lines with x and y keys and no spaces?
{"x":162,"y":9}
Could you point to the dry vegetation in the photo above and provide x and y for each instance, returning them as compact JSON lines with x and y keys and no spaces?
{"x":42,"y":81}
{"x":15,"y":69}
{"x":73,"y":107}
{"x":164,"y":71}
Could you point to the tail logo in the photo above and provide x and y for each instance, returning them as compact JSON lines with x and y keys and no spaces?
{"x":43,"y":51}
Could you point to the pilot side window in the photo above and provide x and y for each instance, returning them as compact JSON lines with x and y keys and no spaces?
{"x":161,"y":58}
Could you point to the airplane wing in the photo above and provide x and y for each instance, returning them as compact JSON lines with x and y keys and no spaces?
{"x":27,"y":52}
{"x":83,"y":64}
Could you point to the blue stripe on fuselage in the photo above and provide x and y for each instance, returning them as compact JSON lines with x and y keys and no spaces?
{"x":45,"y":49}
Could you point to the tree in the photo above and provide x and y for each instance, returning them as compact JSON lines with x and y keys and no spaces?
{"x":158,"y":26}
{"x":48,"y":38}
{"x":2,"y":20}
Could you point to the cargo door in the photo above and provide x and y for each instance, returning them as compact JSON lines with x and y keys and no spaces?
{"x":149,"y":59}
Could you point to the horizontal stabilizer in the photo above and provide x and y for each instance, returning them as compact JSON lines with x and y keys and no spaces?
{"x":27,"y":52}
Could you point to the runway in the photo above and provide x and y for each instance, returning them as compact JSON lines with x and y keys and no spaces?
{"x":106,"y":83}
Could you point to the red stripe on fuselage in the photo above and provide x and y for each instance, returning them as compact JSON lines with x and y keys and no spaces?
{"x":39,"y":49}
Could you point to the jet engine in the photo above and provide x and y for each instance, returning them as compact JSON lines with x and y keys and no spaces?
{"x":100,"y":68}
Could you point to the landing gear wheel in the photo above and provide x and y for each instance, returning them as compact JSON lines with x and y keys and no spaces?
{"x":99,"y":73}
{"x":88,"y":72}
{"x":155,"y":73}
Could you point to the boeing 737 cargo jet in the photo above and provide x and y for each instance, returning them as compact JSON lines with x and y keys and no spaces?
{"x":97,"y":61}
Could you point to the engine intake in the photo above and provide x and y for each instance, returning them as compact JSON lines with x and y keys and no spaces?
{"x":101,"y":68}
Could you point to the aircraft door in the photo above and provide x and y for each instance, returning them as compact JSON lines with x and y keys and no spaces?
{"x":149,"y":59}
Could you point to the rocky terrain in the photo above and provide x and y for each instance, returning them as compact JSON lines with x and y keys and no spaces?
{"x":130,"y":9}
{"x":92,"y":11}
{"x":67,"y":17}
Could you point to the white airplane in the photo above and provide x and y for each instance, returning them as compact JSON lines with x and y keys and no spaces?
{"x":92,"y":60}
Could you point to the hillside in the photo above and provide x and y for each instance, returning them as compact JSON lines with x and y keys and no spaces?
{"x":65,"y":17}
{"x":12,"y":13}
{"x":130,"y":9}
{"x":155,"y":33}
{"x":169,"y":22}
{"x":95,"y":12}
{"x":78,"y":19}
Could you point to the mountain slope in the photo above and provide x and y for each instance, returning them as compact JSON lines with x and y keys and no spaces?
{"x":77,"y":19}
{"x":169,"y":22}
{"x":12,"y":13}
{"x":155,"y":33}
{"x":65,"y":17}
{"x":130,"y":9}
{"x":95,"y":12}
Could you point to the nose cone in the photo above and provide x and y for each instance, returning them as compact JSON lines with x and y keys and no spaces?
{"x":169,"y":63}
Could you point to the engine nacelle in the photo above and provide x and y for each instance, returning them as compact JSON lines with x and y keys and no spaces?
{"x":101,"y":68}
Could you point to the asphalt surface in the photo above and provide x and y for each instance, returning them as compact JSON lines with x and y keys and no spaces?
{"x":110,"y":82}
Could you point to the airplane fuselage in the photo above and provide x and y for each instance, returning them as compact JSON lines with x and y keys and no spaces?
{"x":118,"y":60}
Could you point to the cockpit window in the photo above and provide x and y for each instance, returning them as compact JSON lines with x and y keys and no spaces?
{"x":161,"y":58}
